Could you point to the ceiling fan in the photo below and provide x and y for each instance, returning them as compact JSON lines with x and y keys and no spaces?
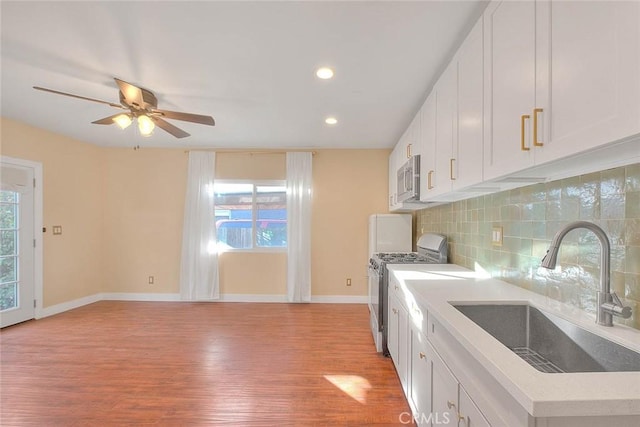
{"x":142,"y":105}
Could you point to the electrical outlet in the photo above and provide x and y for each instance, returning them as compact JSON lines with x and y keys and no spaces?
{"x":151,"y":280}
{"x":57,"y":229}
{"x":348,"y":282}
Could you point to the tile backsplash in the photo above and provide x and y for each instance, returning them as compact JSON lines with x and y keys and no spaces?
{"x":530,"y":216}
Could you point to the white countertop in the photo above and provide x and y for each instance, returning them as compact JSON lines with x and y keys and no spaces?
{"x":434,"y":287}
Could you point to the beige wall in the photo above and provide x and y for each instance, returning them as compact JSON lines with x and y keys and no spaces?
{"x":121,"y":212}
{"x":73,"y":198}
{"x":348,"y":186}
{"x":144,"y":201}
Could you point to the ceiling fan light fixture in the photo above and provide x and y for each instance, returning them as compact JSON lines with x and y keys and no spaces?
{"x":123,"y":120}
{"x":145,"y":125}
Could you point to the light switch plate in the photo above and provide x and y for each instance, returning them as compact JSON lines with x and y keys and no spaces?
{"x":496,"y":236}
{"x":57,"y":229}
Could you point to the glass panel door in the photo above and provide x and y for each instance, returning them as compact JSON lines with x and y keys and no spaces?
{"x":17,"y":253}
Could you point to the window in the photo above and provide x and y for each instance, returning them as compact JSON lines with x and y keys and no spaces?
{"x":9,"y":230}
{"x":251,"y":215}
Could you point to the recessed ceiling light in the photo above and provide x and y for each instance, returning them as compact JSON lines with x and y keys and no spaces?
{"x":324,"y":73}
{"x":331,"y":120}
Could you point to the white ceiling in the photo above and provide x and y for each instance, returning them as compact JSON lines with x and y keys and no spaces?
{"x":250,"y":65}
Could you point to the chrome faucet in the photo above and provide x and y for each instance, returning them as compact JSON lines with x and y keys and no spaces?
{"x":609,"y":304}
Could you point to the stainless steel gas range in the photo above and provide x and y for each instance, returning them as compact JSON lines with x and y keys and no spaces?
{"x":432,"y":249}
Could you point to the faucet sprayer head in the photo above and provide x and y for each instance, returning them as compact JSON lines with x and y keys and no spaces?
{"x":551,"y":258}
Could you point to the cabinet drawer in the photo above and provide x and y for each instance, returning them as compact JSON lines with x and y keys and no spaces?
{"x":438,"y":334}
{"x":418,"y":317}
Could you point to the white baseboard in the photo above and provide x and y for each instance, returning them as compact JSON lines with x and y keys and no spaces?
{"x":66,"y":306}
{"x":131,"y":296}
{"x":340,"y":299}
{"x":252,"y":298}
{"x":164,"y":297}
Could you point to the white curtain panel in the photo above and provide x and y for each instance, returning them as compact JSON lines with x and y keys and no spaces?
{"x":199,"y":276}
{"x":299,"y":226}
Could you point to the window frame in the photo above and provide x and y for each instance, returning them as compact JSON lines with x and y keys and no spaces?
{"x":254,"y":214}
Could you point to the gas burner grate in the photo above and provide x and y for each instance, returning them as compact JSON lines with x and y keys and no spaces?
{"x":536,"y":360}
{"x":401,"y":257}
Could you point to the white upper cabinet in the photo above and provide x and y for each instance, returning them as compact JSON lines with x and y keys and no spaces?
{"x":539,"y":90}
{"x":446,"y":133}
{"x":509,"y":85}
{"x":427,"y":145}
{"x":561,"y":77}
{"x":452,"y":124}
{"x":412,"y":146}
{"x":394,"y":162}
{"x":587,"y":74}
{"x":409,"y":145}
{"x":467,"y":153}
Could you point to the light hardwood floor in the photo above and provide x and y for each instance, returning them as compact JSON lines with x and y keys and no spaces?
{"x":198,"y":364}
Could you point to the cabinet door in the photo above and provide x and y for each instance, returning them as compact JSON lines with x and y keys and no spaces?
{"x":427,"y":144}
{"x":396,"y":158}
{"x":509,"y":76}
{"x":444,"y":393}
{"x":467,"y":153}
{"x":470,"y":415}
{"x":420,"y":376}
{"x":403,"y":348}
{"x":393,"y":328}
{"x":588,"y":75}
{"x":412,"y":143}
{"x":398,"y":338}
{"x":392,"y":181}
{"x":446,"y":122}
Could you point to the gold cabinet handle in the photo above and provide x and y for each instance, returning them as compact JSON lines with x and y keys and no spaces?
{"x":422,"y":355}
{"x":523,"y":119}
{"x":451,"y":169}
{"x":396,"y":287}
{"x":394,"y":311}
{"x":452,"y":405}
{"x":536,"y":111}
{"x":429,"y":175}
{"x":409,"y":150}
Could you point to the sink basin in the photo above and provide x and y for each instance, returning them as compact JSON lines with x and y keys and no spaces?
{"x":549,"y":343}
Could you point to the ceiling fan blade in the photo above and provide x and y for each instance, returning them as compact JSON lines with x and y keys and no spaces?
{"x":106,"y":120}
{"x":168,"y":127}
{"x":187,"y":117}
{"x":78,"y":96}
{"x":132,"y":94}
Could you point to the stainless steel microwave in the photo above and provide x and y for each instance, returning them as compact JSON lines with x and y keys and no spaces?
{"x":409,"y":180}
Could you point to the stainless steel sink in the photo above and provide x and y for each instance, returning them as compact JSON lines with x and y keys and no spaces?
{"x":549,"y":343}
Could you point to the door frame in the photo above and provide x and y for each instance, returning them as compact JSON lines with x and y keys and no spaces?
{"x":37,"y":227}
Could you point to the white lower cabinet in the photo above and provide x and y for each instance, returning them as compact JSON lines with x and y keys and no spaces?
{"x":469,"y":415}
{"x":451,"y":403}
{"x":397,"y":338}
{"x":420,"y":377}
{"x":445,"y":384}
{"x":444,"y":389}
{"x":435,"y":395}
